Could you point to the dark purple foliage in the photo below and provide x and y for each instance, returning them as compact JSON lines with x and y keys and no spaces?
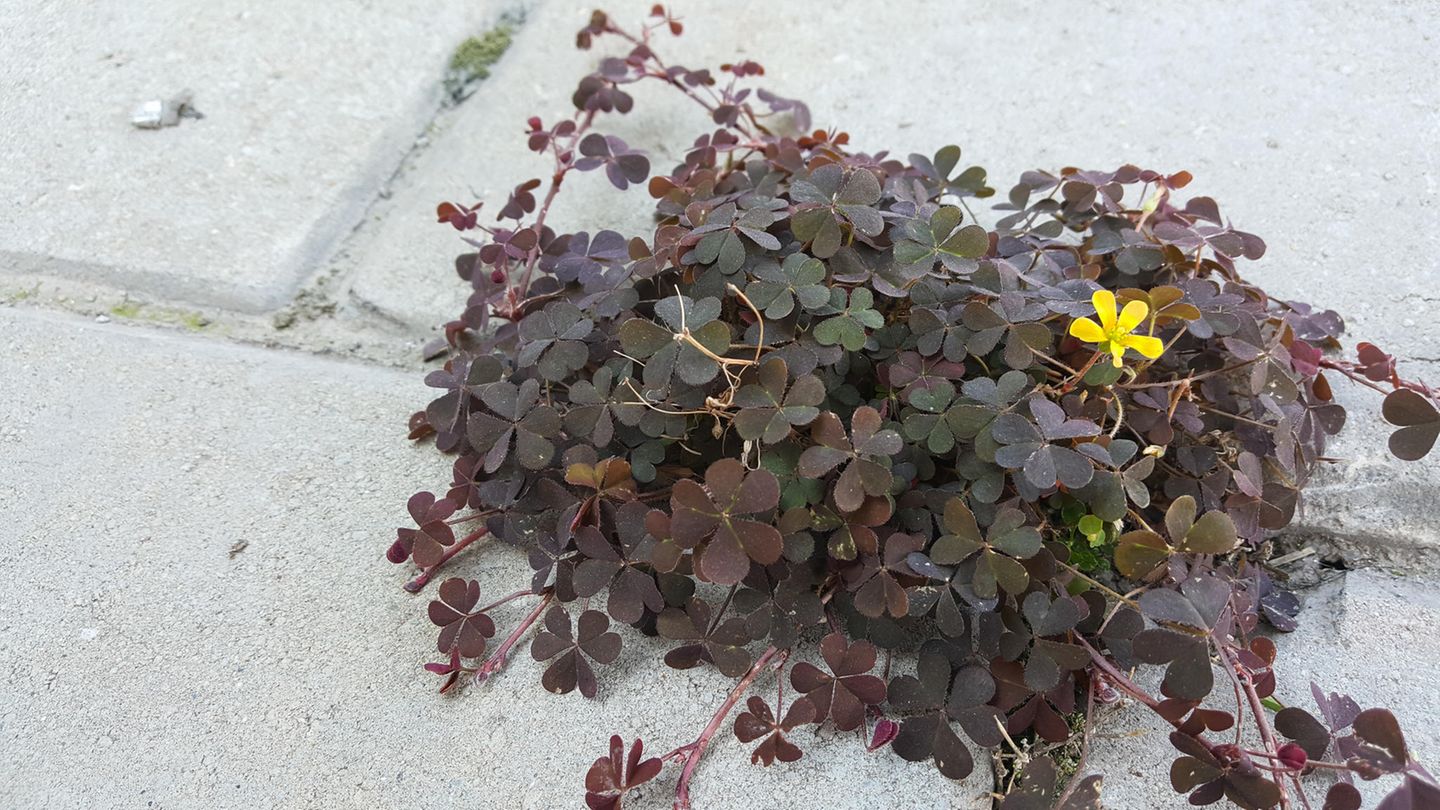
{"x":1022,"y":451}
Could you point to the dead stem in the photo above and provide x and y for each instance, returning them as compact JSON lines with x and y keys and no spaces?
{"x":759,"y":320}
{"x":1077,"y":572}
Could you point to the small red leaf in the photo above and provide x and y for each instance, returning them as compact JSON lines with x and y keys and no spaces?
{"x":886,"y":730}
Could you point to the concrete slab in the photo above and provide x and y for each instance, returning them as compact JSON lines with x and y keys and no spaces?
{"x":1362,"y":633}
{"x":149,"y":663}
{"x":146,"y":663}
{"x":1300,"y":120}
{"x":309,"y":109}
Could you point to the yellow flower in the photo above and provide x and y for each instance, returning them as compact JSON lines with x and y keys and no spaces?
{"x":1113,"y":332}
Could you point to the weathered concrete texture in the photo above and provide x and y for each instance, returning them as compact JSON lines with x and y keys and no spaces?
{"x":1362,"y":633}
{"x":142,"y":664}
{"x":1300,"y":120}
{"x":309,"y":108}
{"x":1371,"y":508}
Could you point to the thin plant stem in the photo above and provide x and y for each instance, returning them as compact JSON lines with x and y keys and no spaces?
{"x":1081,"y":574}
{"x":456,"y":521}
{"x":1237,"y":417}
{"x":1193,"y":377}
{"x":496,"y":662}
{"x":1138,"y":519}
{"x":506,"y":599}
{"x":1148,"y":363}
{"x":1080,"y":373}
{"x":423,"y":578}
{"x":1119,"y":415}
{"x":692,"y":752}
{"x":1047,"y":358}
{"x":1079,"y":774}
{"x":1257,"y":709}
{"x":759,"y":320}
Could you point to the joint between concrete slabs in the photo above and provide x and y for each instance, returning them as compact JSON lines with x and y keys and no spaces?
{"x":208,"y":344}
{"x":176,"y":229}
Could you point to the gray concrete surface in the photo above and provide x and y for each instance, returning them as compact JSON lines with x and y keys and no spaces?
{"x":309,"y":108}
{"x":1301,"y":122}
{"x":144,"y":665}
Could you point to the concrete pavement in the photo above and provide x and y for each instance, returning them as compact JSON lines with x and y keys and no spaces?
{"x":142,"y":664}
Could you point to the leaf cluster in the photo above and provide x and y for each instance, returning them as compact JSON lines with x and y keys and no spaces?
{"x":825,"y":389}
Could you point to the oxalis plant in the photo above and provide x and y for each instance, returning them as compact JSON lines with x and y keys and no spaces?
{"x":823,"y":413}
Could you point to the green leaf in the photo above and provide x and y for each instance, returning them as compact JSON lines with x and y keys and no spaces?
{"x":642,"y":338}
{"x":1102,"y":374}
{"x":1213,"y":533}
{"x":842,"y":330}
{"x":970,"y":242}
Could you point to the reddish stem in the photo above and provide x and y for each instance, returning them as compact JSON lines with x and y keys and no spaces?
{"x":1350,"y":370}
{"x":1258,"y":710}
{"x":561,"y":169}
{"x":496,"y":662}
{"x":511,"y":598}
{"x":1080,"y":373}
{"x":423,"y":578}
{"x":1120,"y":679}
{"x":1309,"y":763}
{"x":455,"y":521}
{"x":692,"y":752}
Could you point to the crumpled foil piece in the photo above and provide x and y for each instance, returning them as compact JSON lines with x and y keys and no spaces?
{"x":158,"y":113}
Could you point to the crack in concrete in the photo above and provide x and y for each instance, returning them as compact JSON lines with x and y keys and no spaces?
{"x":319,"y":297}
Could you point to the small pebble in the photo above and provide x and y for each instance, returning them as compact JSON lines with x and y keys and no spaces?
{"x":102,"y":318}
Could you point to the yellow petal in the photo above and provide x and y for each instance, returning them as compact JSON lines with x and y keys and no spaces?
{"x":1151,"y":347}
{"x":1119,"y":354}
{"x":1087,"y":330}
{"x":1104,"y":303}
{"x":1133,"y":314}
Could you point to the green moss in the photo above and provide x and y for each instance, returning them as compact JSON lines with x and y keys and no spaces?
{"x":127,"y":309}
{"x":22,"y":295}
{"x":472,"y":61}
{"x":193,"y":321}
{"x":1067,"y":756}
{"x":135,"y":311}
